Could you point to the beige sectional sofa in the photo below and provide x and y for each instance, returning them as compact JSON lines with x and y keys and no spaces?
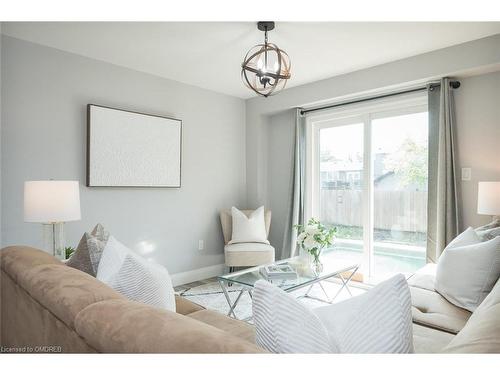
{"x":44,"y":303}
{"x":444,"y":327}
{"x":47,"y":304}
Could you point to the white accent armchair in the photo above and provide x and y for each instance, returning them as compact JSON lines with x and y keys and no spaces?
{"x":247,"y":254}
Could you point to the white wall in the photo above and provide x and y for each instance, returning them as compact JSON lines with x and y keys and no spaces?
{"x":44,"y":96}
{"x":477,"y":108}
{"x":266,"y":152}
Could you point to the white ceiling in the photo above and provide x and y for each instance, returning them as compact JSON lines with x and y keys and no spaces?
{"x":209,"y":54}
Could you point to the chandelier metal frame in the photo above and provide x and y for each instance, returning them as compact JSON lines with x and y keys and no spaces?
{"x":264,"y":81}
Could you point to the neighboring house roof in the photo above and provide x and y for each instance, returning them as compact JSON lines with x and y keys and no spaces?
{"x":383,"y":176}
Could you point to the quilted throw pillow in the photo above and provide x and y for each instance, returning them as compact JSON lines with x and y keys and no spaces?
{"x":468,"y":269}
{"x":135,"y":277}
{"x":378,"y":321}
{"x":88,"y":253}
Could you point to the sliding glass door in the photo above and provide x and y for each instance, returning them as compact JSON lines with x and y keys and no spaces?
{"x":341,"y":165}
{"x":399,"y":156}
{"x":368,"y":178}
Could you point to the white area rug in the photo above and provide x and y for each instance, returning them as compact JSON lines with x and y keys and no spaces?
{"x":210,"y":296}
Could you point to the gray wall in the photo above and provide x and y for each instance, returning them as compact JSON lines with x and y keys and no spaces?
{"x":477,"y":103}
{"x":279,"y":135}
{"x":44,"y":96}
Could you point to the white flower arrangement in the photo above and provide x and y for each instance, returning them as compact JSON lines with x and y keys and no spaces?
{"x":314,"y":236}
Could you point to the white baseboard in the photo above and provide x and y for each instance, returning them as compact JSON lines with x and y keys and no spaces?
{"x":198,"y":274}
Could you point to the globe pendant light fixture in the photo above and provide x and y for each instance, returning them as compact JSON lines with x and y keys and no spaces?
{"x":266,"y":68}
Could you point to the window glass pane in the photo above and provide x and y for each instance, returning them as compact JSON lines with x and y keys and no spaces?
{"x":341,"y":185}
{"x":399,"y":156}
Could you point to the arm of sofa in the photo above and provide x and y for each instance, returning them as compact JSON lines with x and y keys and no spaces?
{"x":119,"y":326}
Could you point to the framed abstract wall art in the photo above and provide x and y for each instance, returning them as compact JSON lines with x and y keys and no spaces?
{"x":131,"y":149}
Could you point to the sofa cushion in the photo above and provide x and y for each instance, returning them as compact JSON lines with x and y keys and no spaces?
{"x":122,"y":326}
{"x":63,"y":290}
{"x":235,"y":327}
{"x":481,"y":334}
{"x":16,"y":260}
{"x":249,"y":246}
{"x":424,"y":277}
{"x":248,"y":254}
{"x":429,"y":340}
{"x":185,"y":307}
{"x":429,"y":308}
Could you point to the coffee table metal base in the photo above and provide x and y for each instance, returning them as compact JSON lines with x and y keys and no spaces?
{"x":247,"y":289}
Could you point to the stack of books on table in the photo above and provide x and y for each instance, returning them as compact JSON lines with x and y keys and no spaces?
{"x":278,"y":271}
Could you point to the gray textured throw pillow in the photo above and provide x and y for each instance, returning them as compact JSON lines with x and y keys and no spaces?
{"x":100,"y":233}
{"x":88,"y":254}
{"x":489,"y":231}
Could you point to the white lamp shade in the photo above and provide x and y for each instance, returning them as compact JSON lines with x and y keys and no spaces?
{"x":51,"y":201}
{"x":488,"y":198}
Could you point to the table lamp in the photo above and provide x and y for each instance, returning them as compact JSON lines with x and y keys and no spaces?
{"x":488,"y":199}
{"x":52,"y":203}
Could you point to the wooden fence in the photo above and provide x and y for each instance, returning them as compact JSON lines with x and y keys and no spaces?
{"x":393,"y":210}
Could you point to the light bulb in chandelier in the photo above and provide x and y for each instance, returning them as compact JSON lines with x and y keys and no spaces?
{"x":260,"y":64}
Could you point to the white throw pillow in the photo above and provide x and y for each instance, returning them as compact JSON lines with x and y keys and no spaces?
{"x":467,"y":237}
{"x":284,"y":325}
{"x":135,"y":277}
{"x":112,"y":258}
{"x":378,"y":321}
{"x":248,"y":229}
{"x":468,"y":269}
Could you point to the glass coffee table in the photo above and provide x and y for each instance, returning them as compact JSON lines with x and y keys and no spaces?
{"x":333,"y":267}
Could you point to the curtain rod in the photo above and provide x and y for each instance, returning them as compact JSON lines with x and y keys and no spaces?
{"x":453,"y":85}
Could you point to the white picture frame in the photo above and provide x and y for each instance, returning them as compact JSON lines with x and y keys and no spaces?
{"x":132,"y":149}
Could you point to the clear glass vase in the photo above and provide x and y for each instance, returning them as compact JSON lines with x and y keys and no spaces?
{"x":316,"y":264}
